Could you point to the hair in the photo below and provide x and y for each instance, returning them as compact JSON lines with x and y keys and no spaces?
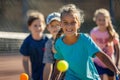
{"x":110,"y":27}
{"x":34,"y":15}
{"x":70,"y":8}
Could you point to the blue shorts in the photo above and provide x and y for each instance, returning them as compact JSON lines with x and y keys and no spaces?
{"x":102,"y":70}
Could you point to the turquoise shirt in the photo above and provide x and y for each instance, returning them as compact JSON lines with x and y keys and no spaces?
{"x":79,"y":57}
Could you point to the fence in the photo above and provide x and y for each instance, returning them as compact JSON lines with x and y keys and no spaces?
{"x":13,"y":14}
{"x":10,"y":42}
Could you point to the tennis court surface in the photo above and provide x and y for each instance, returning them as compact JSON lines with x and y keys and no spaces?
{"x":10,"y":67}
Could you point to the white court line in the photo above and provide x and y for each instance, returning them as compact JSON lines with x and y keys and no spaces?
{"x":15,"y":35}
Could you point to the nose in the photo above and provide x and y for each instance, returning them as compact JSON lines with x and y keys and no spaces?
{"x":38,"y":28}
{"x":69,"y":25}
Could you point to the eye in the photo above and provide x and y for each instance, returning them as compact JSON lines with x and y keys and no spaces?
{"x":39,"y":25}
{"x":65,"y":23}
{"x":35,"y":25}
{"x":57,"y":25}
{"x":101,"y":20}
{"x":73,"y":23}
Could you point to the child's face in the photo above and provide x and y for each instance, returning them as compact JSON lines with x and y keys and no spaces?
{"x":70,"y":24}
{"x":36,"y":27}
{"x":102,"y":21}
{"x":54,"y":27}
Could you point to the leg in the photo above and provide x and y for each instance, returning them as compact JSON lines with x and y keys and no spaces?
{"x":111,"y":77}
{"x":101,"y":71}
{"x":101,"y":76}
{"x":110,"y":74}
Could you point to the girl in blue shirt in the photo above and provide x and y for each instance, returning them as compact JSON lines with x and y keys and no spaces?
{"x":78,"y":48}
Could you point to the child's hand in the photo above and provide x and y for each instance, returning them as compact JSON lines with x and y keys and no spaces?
{"x":118,"y":73}
{"x":118,"y":66}
{"x":53,"y":49}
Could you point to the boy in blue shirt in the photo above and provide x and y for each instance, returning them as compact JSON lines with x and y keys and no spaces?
{"x":33,"y":46}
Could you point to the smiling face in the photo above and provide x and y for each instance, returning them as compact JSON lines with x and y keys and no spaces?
{"x":36,"y":27}
{"x":70,"y":24}
{"x":54,"y":27}
{"x":102,"y":21}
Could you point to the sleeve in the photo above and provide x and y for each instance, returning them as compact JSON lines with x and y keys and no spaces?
{"x":48,"y":55}
{"x":24,"y":48}
{"x":58,"y":55}
{"x":92,"y":47}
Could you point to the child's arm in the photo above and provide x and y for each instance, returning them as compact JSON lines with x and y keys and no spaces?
{"x":107,"y":61}
{"x":47,"y":71}
{"x":53,"y":49}
{"x":26,"y":64}
{"x":117,"y":53}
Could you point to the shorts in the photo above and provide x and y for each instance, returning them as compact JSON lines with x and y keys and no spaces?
{"x":102,"y":70}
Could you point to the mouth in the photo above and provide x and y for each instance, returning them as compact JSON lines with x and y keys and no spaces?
{"x":69,"y":30}
{"x":38,"y":31}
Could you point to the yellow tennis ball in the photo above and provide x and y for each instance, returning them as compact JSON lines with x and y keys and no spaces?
{"x":62,"y":65}
{"x":23,"y":76}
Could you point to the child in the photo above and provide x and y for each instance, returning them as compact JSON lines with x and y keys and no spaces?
{"x":78,"y":49}
{"x":53,"y":26}
{"x":106,"y":38}
{"x":33,"y":46}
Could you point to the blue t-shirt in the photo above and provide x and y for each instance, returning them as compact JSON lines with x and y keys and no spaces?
{"x":79,"y":57}
{"x":35,"y":49}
